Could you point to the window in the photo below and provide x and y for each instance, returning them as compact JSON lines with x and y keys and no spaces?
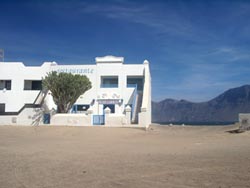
{"x":78,"y":108}
{"x":133,"y":81}
{"x":5,"y":84}
{"x":109,"y":81}
{"x":32,"y":85}
{"x":2,"y":107}
{"x":111,"y":107}
{"x":82,"y":107}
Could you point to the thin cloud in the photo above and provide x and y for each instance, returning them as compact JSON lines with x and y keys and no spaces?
{"x":171,"y":23}
{"x":232,"y":54}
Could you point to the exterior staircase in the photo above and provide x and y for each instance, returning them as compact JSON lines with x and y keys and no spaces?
{"x":137,"y":107}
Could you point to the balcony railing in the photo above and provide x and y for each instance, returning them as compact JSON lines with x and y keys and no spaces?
{"x":131,"y":85}
{"x":109,"y":85}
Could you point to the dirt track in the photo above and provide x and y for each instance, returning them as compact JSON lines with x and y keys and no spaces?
{"x":70,"y":157}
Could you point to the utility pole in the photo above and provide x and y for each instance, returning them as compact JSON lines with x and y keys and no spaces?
{"x":1,"y":55}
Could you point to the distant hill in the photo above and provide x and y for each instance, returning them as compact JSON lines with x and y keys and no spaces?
{"x":224,"y":108}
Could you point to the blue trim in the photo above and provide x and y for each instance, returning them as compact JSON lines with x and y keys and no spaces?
{"x":74,"y":109}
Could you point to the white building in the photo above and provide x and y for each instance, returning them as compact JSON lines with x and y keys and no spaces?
{"x":120,"y":94}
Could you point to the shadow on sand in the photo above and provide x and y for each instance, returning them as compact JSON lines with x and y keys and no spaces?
{"x":236,"y":131}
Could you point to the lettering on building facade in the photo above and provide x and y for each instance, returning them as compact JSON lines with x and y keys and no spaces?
{"x":76,"y":71}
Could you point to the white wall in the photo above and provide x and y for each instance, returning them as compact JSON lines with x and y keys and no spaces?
{"x":29,"y":116}
{"x":15,"y":98}
{"x":71,"y":119}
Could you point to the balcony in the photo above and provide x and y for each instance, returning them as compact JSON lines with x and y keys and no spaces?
{"x":109,"y":85}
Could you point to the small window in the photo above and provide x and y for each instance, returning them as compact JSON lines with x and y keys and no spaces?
{"x":78,"y":108}
{"x":36,"y":85}
{"x":2,"y":107}
{"x":109,"y":81}
{"x":110,"y":106}
{"x":5,"y":84}
{"x":82,"y":107}
{"x":32,"y":85}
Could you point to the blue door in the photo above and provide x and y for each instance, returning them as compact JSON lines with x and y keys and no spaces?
{"x":98,"y":119}
{"x":46,"y":118}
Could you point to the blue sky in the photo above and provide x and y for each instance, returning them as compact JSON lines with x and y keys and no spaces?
{"x":196,"y":49}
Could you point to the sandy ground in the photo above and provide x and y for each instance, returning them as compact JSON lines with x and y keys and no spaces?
{"x":78,"y":157}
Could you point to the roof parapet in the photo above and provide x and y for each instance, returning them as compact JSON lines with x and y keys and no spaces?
{"x":109,"y":59}
{"x":145,"y":62}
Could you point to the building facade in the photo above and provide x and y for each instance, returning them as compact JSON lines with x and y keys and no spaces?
{"x":120,"y":94}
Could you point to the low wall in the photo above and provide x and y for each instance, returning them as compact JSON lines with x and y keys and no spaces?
{"x":34,"y":116}
{"x":71,"y":119}
{"x":115,"y":120}
{"x":8,"y":120}
{"x":29,"y":116}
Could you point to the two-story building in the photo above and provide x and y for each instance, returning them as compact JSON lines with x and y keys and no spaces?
{"x":123,"y":90}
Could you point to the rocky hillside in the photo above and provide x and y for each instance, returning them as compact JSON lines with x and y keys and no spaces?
{"x":224,"y":108}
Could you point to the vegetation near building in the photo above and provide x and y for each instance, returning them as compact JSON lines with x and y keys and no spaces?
{"x":66,"y":88}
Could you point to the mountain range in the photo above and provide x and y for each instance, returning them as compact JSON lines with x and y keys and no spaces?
{"x":224,"y":108}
